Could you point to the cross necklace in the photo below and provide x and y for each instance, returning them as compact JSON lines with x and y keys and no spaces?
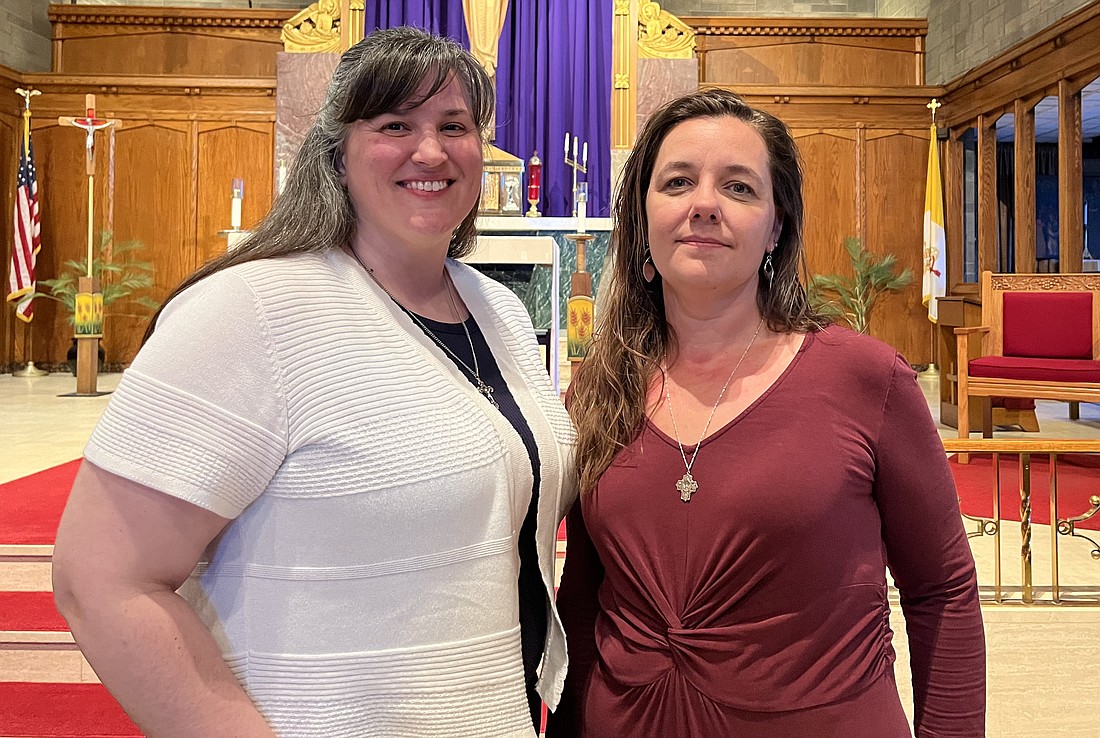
{"x":687,"y":486}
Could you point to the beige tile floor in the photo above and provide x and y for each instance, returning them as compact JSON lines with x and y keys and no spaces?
{"x":1043,"y":661}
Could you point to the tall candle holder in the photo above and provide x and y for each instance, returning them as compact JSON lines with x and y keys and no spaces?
{"x":581,"y":307}
{"x":579,"y":164}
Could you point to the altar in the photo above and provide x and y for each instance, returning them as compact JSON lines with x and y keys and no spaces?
{"x":530,"y":256}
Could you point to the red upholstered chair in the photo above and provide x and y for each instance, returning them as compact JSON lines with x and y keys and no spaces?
{"x":1040,"y":338}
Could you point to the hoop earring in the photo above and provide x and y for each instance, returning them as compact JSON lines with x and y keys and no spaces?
{"x":769,"y":269}
{"x":649,"y":272}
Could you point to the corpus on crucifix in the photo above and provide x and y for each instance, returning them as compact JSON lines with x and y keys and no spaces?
{"x":88,"y":313}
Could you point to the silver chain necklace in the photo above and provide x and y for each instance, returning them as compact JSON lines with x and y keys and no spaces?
{"x":687,"y":486}
{"x":482,"y":386}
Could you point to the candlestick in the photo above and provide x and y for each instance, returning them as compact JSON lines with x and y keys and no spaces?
{"x":576,"y":164}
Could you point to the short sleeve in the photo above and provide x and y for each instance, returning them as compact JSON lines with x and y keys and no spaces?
{"x":201,"y":412}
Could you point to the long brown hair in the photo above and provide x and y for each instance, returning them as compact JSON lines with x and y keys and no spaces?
{"x":633,"y":339}
{"x":377,"y":75}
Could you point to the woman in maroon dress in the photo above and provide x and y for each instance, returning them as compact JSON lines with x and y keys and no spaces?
{"x":749,"y":474}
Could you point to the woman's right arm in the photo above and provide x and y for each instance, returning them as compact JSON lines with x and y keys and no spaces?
{"x":122,"y":551}
{"x":578,"y":604}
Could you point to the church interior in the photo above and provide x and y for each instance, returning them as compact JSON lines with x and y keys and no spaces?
{"x":198,"y":106}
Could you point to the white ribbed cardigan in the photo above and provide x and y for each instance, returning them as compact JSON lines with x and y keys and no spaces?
{"x":367,"y":583}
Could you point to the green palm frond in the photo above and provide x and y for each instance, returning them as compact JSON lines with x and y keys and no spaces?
{"x":851,"y":298}
{"x":122,"y":276}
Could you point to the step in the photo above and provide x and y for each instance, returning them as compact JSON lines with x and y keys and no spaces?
{"x":42,"y":710}
{"x":25,"y":568}
{"x":35,"y":644}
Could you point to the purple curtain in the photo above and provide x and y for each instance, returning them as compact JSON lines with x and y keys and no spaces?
{"x":442,"y":17}
{"x":554,"y":76}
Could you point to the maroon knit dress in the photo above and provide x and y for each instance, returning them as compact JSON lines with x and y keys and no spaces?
{"x":760,"y":608}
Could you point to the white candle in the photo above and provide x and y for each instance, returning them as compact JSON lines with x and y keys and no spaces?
{"x":582,"y":208}
{"x":567,"y":144}
{"x":584,"y":155}
{"x":237,"y":194}
{"x":575,"y":139}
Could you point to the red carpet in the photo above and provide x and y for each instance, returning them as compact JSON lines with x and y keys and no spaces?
{"x":1078,"y":479}
{"x":29,"y":611}
{"x":30,"y":507}
{"x":62,"y":711}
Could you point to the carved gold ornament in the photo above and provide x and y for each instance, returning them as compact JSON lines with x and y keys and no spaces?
{"x":314,"y":29}
{"x":661,"y":35}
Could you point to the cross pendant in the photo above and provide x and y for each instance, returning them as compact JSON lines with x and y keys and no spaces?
{"x":487,"y":391}
{"x":687,"y":487}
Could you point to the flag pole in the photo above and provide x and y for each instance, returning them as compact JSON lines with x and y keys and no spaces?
{"x":30,"y":370}
{"x":934,"y":282}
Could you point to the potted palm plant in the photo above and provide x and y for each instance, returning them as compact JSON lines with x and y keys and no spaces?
{"x":851,"y":298}
{"x":122,"y":277}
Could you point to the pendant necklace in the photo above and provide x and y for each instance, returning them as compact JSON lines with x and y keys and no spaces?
{"x":480,"y":384}
{"x":687,"y":486}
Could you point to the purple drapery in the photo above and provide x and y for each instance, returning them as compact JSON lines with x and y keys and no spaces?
{"x":442,"y":17}
{"x":554,"y":76}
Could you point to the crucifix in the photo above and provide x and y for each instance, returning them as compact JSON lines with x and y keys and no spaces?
{"x":933,"y":106}
{"x":88,"y":311}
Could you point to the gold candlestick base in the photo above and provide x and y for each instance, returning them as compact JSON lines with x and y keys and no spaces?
{"x":533,"y":211}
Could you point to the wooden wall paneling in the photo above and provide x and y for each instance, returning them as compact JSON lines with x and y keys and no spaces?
{"x":181,"y":54}
{"x":894,"y":225}
{"x":226,"y":151}
{"x":815,"y":51}
{"x":829,"y":192}
{"x":1024,"y":185}
{"x":953,"y":209}
{"x":1071,"y":241}
{"x":11,"y":127}
{"x":987,"y":193}
{"x":166,"y":41}
{"x":808,"y":61}
{"x":11,"y":328}
{"x":152,"y":188}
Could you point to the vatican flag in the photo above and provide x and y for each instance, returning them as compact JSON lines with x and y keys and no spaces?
{"x":935,"y":249}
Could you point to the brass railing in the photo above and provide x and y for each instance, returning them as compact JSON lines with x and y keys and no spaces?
{"x":1060,"y":526}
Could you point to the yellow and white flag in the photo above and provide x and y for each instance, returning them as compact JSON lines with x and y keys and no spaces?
{"x":935,"y":248}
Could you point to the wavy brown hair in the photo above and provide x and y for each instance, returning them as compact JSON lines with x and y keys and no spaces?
{"x":378,"y":75}
{"x":633,"y":339}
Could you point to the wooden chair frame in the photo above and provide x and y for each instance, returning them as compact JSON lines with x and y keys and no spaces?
{"x":991,"y":334}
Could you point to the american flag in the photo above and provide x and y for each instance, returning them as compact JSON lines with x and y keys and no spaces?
{"x":28,"y":234}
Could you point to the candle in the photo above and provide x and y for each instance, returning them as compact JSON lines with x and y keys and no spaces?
{"x":582,"y":208}
{"x":235,"y":207}
{"x":584,"y":155}
{"x":575,"y":139}
{"x":567,"y":144}
{"x":535,"y":165}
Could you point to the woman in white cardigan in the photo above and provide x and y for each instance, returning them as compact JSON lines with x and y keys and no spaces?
{"x":341,"y":448}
